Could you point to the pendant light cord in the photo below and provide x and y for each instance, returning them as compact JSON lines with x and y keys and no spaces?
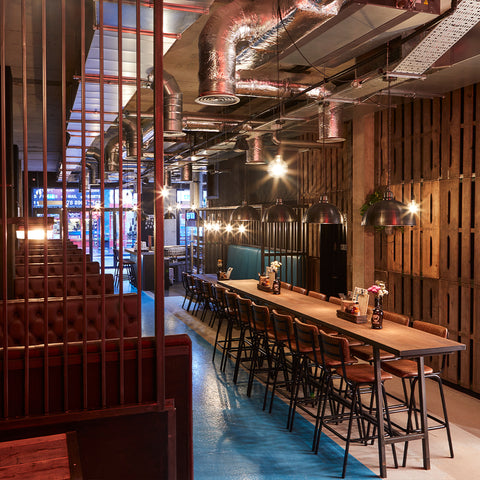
{"x":389,"y":119}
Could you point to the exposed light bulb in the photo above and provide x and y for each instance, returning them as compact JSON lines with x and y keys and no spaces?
{"x":229,"y":228}
{"x":278,"y":168}
{"x":242,"y":229}
{"x":164,"y":192}
{"x":413,"y":207}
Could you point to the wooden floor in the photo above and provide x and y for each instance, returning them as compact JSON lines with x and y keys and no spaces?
{"x":36,"y":458}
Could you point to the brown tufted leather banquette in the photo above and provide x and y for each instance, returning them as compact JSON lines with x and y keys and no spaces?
{"x":75,"y":286}
{"x":71,"y":257}
{"x":38,"y":269}
{"x":75,"y":324}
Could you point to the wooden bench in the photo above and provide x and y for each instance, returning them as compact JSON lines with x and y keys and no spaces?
{"x":38,"y":269}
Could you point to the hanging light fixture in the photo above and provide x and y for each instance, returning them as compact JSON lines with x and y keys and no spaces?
{"x":279,"y":213}
{"x":388,"y":212}
{"x":323,"y":211}
{"x":244,"y":213}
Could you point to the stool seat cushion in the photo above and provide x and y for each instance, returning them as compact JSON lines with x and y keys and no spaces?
{"x":405,"y":368}
{"x":365,"y":352}
{"x":363,"y":373}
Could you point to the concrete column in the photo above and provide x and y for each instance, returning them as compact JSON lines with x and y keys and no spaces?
{"x":363,"y":179}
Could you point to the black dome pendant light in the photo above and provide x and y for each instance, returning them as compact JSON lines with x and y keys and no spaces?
{"x":323,"y":211}
{"x":388,"y":212}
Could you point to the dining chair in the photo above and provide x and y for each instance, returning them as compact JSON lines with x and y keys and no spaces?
{"x":347,"y":403}
{"x":407,"y":369}
{"x":301,"y":290}
{"x":320,"y":296}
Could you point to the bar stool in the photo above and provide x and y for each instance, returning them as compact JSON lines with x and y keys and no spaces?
{"x":208,"y":305}
{"x":231,"y":317}
{"x":285,"y":285}
{"x":335,"y":300}
{"x":263,"y":336}
{"x":320,"y":296}
{"x":220,"y":310}
{"x":365,"y":352}
{"x":129,"y":267}
{"x":282,"y":353}
{"x":408,"y":369}
{"x":337,"y":360}
{"x":245,"y":342}
{"x":308,"y":373}
{"x":301,"y":290}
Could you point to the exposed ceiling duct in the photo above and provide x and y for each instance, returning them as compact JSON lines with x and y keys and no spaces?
{"x":172,"y":107}
{"x":283,"y":90}
{"x":246,"y":20}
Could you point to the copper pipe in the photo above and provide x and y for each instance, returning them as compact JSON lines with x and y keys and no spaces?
{"x":84,"y":214}
{"x":149,"y":33}
{"x":64,"y":210}
{"x":3,"y":137}
{"x":158,"y":199}
{"x":26,"y":405}
{"x":102,"y":211}
{"x":139,"y":205}
{"x":120,"y":206}
{"x":46,"y":382}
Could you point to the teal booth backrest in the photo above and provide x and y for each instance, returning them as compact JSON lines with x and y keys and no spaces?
{"x":246,"y":263}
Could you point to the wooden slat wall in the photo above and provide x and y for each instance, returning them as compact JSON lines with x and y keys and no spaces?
{"x":432,"y":271}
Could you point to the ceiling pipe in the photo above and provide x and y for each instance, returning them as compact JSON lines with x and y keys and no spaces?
{"x":172,"y":107}
{"x":129,"y":127}
{"x":283,"y":89}
{"x":246,"y":20}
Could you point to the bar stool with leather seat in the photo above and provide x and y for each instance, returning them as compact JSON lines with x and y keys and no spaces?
{"x":285,"y":285}
{"x":230,"y":343}
{"x":407,"y":369}
{"x":320,"y":296}
{"x":220,"y":311}
{"x":263,"y":338}
{"x":308,"y":372}
{"x":365,"y":352}
{"x":337,"y":360}
{"x":245,"y":341}
{"x":301,"y":290}
{"x":282,"y":354}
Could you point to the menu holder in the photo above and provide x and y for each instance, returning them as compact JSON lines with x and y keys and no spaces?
{"x":351,"y":317}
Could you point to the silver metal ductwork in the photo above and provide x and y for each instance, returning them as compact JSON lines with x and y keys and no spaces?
{"x":285,"y":89}
{"x":255,"y":151}
{"x":251,"y":20}
{"x":172,"y":107}
{"x":129,"y":127}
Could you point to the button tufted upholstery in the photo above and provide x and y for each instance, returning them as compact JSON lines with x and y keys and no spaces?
{"x":38,"y":269}
{"x":76,"y":323}
{"x":71,"y":257}
{"x":75,"y":285}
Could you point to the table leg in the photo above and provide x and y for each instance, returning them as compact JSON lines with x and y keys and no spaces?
{"x":423,"y":413}
{"x":380,"y":424}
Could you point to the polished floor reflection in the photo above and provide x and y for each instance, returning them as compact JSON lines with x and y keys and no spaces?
{"x":234,"y":439}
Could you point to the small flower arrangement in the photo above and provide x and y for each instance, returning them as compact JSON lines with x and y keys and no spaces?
{"x":378,"y":289}
{"x":275,"y":265}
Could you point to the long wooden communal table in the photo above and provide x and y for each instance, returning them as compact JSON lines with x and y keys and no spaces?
{"x":400,"y":340}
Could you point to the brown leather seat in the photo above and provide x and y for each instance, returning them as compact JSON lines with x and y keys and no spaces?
{"x":320,"y":296}
{"x":301,"y":290}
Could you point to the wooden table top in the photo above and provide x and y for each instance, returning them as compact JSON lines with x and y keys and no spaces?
{"x":398,"y":339}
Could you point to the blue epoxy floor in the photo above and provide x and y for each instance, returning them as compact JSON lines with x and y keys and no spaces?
{"x":233,"y":438}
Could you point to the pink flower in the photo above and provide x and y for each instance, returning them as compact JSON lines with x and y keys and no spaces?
{"x":374,"y":289}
